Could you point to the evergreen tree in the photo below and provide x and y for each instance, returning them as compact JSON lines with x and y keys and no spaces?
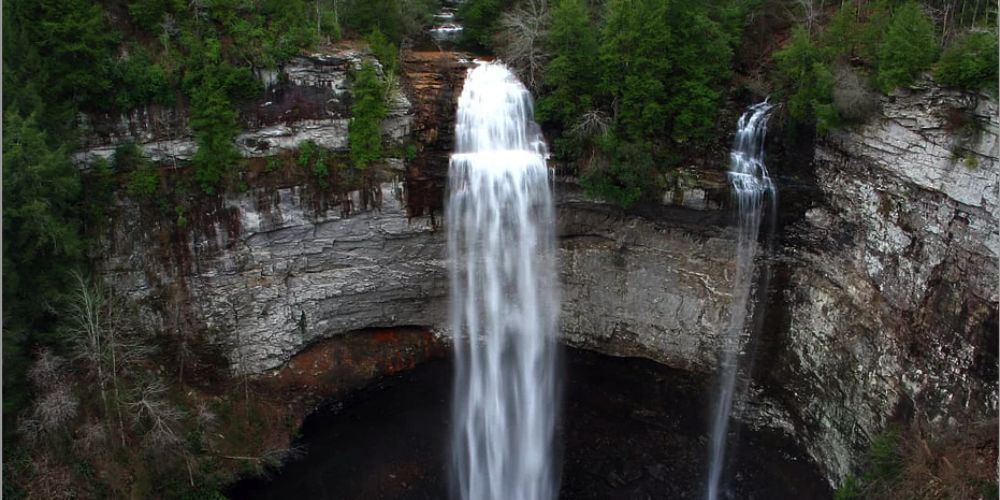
{"x":479,"y":21}
{"x":908,"y":48}
{"x":41,"y":244}
{"x":807,"y":80}
{"x":367,"y":112}
{"x":572,"y":76}
{"x":213,"y":122}
{"x":701,"y":58}
{"x":970,"y":62}
{"x":634,"y":52}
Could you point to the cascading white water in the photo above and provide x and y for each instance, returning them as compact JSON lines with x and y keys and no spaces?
{"x":503,"y":305}
{"x":751,"y":186}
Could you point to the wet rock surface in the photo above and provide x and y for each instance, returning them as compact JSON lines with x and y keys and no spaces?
{"x":630,"y":429}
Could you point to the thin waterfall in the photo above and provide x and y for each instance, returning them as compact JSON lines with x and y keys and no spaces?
{"x":503,"y":299}
{"x":751,"y":187}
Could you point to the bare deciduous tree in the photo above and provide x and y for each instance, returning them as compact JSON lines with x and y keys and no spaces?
{"x":148,"y":407}
{"x":521,"y":36}
{"x":54,"y":406}
{"x":593,"y":123}
{"x":104,"y":341}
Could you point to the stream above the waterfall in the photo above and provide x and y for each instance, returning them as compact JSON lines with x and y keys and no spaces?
{"x":631,"y":429}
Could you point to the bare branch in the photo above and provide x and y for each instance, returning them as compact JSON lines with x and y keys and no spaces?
{"x":521,"y":40}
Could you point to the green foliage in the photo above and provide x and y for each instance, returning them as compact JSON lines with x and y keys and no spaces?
{"x":410,"y":152}
{"x":41,"y":244}
{"x":573,"y":74}
{"x":321,"y":169}
{"x":970,"y":62}
{"x":850,"y":490}
{"x":273,"y":164}
{"x":77,"y":44}
{"x":397,"y":19}
{"x":884,"y":462}
{"x":636,"y":39}
{"x":307,"y":150}
{"x":144,"y":182}
{"x":908,"y":48}
{"x":701,"y":56}
{"x":652,"y":74}
{"x":214,"y":124}
{"x":99,"y":190}
{"x":148,"y":14}
{"x":182,"y":221}
{"x":624,"y":178}
{"x":808,"y":82}
{"x":127,"y":156}
{"x":367,"y":112}
{"x":479,"y":21}
{"x":142,"y":82}
{"x":385,"y":51}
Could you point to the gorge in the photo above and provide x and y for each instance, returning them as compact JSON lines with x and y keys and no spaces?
{"x":542,"y":273}
{"x":262,"y":260}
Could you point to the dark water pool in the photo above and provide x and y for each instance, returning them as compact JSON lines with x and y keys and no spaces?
{"x":630,"y":429}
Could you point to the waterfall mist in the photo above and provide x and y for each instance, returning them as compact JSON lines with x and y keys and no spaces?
{"x":751,"y":186}
{"x":503,"y":294}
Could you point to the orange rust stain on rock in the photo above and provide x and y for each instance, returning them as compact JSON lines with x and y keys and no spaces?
{"x":346,"y":362}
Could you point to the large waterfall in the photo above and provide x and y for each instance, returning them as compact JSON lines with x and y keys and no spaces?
{"x":751,"y":186}
{"x":503,"y":305}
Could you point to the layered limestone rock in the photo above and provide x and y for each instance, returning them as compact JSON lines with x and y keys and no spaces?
{"x":892,"y":300}
{"x":307,"y":99}
{"x":636,"y":286}
{"x":268,"y":274}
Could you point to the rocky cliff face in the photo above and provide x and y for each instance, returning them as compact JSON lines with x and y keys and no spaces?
{"x":892,"y":296}
{"x":887,"y":301}
{"x":270,"y":271}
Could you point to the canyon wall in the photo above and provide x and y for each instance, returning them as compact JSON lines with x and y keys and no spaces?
{"x":892,"y":296}
{"x":887,"y":301}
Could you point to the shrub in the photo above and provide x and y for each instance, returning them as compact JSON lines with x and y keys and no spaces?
{"x":623,"y":176}
{"x":970,"y":62}
{"x":182,"y":221}
{"x":322,"y":169}
{"x":307,"y":150}
{"x":273,"y":164}
{"x":384,"y":50}
{"x":144,"y":181}
{"x":141,"y":82}
{"x":849,"y":490}
{"x":908,"y":48}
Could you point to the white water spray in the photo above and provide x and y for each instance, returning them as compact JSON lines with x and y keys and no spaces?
{"x":751,"y":184}
{"x":503,"y":304}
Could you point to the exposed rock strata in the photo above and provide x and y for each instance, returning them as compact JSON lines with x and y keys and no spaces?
{"x":893,"y":291}
{"x":890,"y":297}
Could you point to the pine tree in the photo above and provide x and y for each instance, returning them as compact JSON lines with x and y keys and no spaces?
{"x":634,"y":52}
{"x":367,"y":112}
{"x":572,"y":76}
{"x":908,"y":48}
